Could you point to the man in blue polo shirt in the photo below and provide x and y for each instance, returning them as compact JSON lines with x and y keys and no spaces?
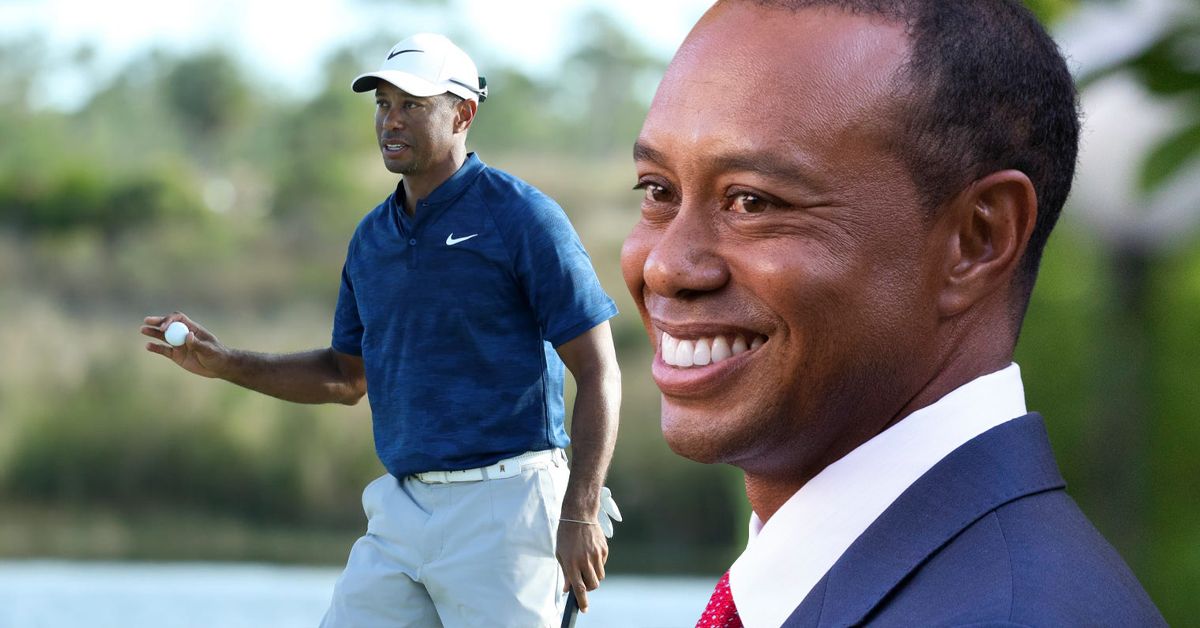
{"x":463,"y":295}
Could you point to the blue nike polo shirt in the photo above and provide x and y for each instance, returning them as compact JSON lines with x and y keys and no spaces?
{"x":457,"y":312}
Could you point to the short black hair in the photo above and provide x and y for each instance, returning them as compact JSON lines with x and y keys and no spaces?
{"x":987,"y":89}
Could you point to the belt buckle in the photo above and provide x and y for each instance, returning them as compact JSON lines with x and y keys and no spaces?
{"x":436,"y":477}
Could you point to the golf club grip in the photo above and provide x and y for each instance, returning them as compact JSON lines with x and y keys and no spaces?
{"x":571,"y":612}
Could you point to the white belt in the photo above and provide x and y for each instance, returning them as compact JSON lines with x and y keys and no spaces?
{"x":506,"y":468}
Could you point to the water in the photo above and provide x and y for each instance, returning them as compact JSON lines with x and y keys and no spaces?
{"x":63,"y":594}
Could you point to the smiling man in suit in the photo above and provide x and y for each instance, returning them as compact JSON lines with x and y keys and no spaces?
{"x":845,"y":207}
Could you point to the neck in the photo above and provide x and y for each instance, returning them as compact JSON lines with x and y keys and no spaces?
{"x":767,"y":496}
{"x":418,"y":186}
{"x":769,"y":488}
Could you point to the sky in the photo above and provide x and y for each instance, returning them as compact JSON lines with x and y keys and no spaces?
{"x":289,"y":39}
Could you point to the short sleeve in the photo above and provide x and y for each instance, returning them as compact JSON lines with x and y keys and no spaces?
{"x":556,"y":274}
{"x":347,"y":324}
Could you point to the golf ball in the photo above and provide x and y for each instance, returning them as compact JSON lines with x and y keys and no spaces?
{"x":176,"y":334}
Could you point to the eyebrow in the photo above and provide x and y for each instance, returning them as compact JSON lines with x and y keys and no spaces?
{"x":762,"y":162}
{"x":642,"y":152}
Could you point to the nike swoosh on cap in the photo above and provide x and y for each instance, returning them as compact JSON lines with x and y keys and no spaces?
{"x":451,"y":240}
{"x":400,"y":52}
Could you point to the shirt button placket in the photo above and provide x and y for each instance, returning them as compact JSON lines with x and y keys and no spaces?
{"x":421,"y":209}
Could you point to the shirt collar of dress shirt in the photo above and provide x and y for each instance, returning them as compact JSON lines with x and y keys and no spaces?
{"x":815,"y":526}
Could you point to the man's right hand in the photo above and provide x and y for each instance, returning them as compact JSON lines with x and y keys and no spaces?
{"x":201,"y":352}
{"x":316,"y":376}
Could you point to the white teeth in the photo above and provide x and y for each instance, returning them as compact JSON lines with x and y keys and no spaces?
{"x":685,"y":353}
{"x":720,"y":349}
{"x":703,"y":355}
{"x":703,"y":351}
{"x":669,"y":345}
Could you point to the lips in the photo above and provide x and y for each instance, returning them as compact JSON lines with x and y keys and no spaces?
{"x":700,"y":364}
{"x":393,"y":145}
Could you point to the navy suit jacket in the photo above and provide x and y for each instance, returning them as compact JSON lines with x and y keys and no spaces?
{"x":987,"y":537}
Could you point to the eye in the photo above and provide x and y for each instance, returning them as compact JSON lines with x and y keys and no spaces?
{"x":381,"y":104}
{"x":654,"y":192}
{"x":748,"y":203}
{"x":411,"y":104}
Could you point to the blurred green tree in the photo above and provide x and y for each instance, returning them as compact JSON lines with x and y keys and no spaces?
{"x":1103,"y":314}
{"x":20,"y":60}
{"x":208,"y":94}
{"x":520,"y":112}
{"x":614,"y":76}
{"x":326,"y":150}
{"x":86,"y":199}
{"x":1050,"y":11}
{"x":1168,"y":67}
{"x":1140,"y":411}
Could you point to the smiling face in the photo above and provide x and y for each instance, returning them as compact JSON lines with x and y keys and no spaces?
{"x":782,"y":263}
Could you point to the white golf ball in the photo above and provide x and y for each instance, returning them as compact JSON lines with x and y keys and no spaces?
{"x":176,"y":334}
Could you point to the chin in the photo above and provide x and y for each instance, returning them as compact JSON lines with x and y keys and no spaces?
{"x":694,"y":438}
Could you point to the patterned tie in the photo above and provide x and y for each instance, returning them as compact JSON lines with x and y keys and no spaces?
{"x":721,"y":612}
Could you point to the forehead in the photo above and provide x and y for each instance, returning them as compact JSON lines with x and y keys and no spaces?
{"x":384,"y":88}
{"x":751,"y":77}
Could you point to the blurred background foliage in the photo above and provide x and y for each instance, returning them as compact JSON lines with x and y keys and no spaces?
{"x":179,"y":184}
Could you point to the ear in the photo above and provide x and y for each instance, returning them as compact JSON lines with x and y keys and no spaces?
{"x":988,"y":227}
{"x":464,"y":115}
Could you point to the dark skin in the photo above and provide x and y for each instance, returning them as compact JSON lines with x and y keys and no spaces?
{"x":775,"y":210}
{"x":425,"y":140}
{"x":422,"y":138}
{"x":317,"y":376}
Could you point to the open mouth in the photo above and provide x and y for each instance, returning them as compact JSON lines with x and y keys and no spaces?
{"x":702,"y":351}
{"x":394,"y":148}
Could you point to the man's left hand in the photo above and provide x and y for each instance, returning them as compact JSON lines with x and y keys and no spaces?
{"x":582,"y":551}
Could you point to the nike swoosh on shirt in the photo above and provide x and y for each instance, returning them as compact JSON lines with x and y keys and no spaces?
{"x":451,"y":240}
{"x":400,"y":52}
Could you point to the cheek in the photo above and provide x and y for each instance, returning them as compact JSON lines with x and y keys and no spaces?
{"x":842,"y":311}
{"x":793,"y":277}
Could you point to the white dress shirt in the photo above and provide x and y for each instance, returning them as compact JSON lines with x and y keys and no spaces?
{"x":789,"y":554}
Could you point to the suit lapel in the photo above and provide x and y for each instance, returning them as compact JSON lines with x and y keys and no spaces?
{"x":1005,"y":463}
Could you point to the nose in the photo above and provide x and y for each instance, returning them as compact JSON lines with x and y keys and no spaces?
{"x":684,"y":260}
{"x":392,"y":119}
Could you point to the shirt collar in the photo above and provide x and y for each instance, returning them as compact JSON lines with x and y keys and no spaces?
{"x":791,"y":552}
{"x":450,"y":189}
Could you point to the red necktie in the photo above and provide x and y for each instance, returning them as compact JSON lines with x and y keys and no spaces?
{"x":720,"y":612}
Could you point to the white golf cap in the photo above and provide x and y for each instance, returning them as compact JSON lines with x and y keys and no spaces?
{"x":427,"y":64}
